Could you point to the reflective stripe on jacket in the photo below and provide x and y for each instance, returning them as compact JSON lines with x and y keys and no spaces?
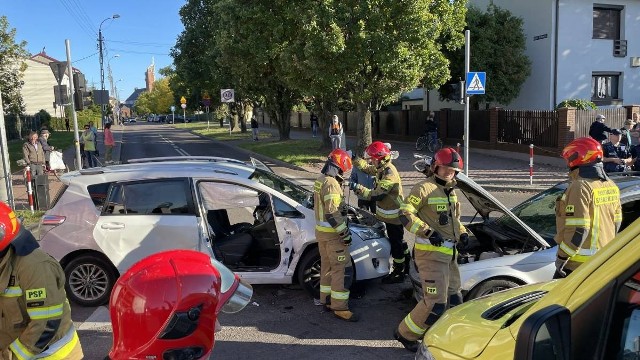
{"x":388,"y":191}
{"x":428,"y":206}
{"x":327,"y":199}
{"x":35,"y":314}
{"x":588,"y":216}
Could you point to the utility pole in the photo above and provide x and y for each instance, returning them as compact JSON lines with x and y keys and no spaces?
{"x":100,"y":47}
{"x":6,"y":192}
{"x":467,"y":59}
{"x":76,"y":135}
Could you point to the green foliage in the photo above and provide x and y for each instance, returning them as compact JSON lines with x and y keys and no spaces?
{"x":580,"y":104}
{"x":12,"y":67}
{"x":157,"y":101}
{"x":498,"y":43}
{"x":45,"y":118}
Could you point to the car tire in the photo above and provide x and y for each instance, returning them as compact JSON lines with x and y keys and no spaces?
{"x":490,"y":287}
{"x":309,"y":273}
{"x":89,"y":280}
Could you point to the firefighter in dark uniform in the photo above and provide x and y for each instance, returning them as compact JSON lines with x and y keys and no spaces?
{"x":588,"y":214}
{"x":388,"y":197}
{"x":36,"y":316}
{"x":432,"y":213}
{"x":598,"y":129}
{"x":333,"y":235}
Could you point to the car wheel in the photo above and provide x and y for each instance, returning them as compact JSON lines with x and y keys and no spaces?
{"x":89,"y":280}
{"x":309,"y":273}
{"x":490,"y":287}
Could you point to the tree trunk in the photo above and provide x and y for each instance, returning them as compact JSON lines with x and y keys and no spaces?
{"x":364,"y":128}
{"x":242,"y":115}
{"x":324,"y":119}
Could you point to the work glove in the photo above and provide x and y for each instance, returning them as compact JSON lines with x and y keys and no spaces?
{"x":347,"y":240}
{"x":436,"y":239}
{"x":463,"y":242}
{"x":353,"y":185}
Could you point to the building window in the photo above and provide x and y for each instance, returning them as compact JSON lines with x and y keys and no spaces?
{"x":605,"y":87}
{"x":606,"y":22}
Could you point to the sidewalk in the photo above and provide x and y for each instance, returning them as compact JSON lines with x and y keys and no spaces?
{"x":20,"y":195}
{"x":494,"y":170}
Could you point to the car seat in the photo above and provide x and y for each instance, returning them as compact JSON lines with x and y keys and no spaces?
{"x":232,"y":246}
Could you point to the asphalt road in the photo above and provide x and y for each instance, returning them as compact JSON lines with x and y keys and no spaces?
{"x":282,"y":321}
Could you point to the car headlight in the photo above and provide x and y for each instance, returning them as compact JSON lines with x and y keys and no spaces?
{"x":367,"y":233}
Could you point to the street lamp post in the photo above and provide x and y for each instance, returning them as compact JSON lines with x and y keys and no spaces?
{"x":100,"y":46}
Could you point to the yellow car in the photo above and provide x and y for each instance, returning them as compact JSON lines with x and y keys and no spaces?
{"x":592,"y":314}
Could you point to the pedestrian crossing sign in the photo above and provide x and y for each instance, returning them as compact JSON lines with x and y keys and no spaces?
{"x":476,"y":83}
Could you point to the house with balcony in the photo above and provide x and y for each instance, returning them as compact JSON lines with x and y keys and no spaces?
{"x":578,"y":49}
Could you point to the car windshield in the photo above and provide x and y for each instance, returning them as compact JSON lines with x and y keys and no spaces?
{"x":284,"y":186}
{"x":538,"y":212}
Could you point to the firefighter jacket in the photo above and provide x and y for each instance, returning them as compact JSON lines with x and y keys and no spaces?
{"x":432,"y":205}
{"x":36,"y":316}
{"x":328,"y":199}
{"x":388,"y":191}
{"x":33,"y":154}
{"x":588,"y":216}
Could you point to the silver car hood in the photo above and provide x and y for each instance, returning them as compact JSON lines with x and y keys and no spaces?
{"x":485,"y":203}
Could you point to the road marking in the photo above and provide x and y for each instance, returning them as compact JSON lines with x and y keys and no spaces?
{"x":99,"y":320}
{"x":175,"y":147}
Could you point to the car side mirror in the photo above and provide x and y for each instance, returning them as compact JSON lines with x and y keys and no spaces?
{"x":545,"y":335}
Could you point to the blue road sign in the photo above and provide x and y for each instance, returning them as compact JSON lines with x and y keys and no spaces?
{"x":476,"y":82}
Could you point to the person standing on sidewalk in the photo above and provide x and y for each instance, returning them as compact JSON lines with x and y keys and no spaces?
{"x":432,"y":213}
{"x":108,"y":144}
{"x":333,"y":235}
{"x":89,"y":139}
{"x":588,"y":214}
{"x":254,"y":127}
{"x":387,"y":195}
{"x":598,"y":129}
{"x":66,"y":124}
{"x":335,"y":132}
{"x":33,"y":154}
{"x":46,"y":148}
{"x":314,"y":124}
{"x":34,"y":311}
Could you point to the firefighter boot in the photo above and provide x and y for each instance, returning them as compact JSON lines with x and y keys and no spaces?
{"x":408,"y":344}
{"x":346,"y":315}
{"x":396,"y":275}
{"x":407,"y":258}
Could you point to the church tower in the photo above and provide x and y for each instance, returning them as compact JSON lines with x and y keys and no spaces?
{"x":149,"y":75}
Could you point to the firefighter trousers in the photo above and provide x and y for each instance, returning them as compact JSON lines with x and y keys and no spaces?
{"x":395,"y":232}
{"x":335,"y":262}
{"x":440,"y":278}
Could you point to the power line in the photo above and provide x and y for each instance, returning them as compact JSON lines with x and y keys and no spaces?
{"x":86,"y":57}
{"x":86,"y":30}
{"x":139,"y":52}
{"x":84,"y":15}
{"x":140,"y":43}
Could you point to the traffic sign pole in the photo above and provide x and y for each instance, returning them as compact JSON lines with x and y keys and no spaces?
{"x":467,"y":58}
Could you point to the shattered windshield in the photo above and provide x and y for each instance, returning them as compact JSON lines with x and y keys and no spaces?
{"x":284,"y":186}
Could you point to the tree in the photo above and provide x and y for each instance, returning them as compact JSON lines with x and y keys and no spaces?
{"x":369,"y":52}
{"x":157,"y":101}
{"x":497,"y":47}
{"x":12,"y":67}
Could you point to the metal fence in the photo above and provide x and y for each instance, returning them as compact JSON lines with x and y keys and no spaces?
{"x":528,"y":127}
{"x":584,"y":118}
{"x":479,"y":123}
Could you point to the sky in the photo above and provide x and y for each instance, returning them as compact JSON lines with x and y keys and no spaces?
{"x":145,"y":30}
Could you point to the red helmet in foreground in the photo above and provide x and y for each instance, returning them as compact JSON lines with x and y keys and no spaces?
{"x":9,"y":225}
{"x":378,"y":150}
{"x":447,"y":157}
{"x":166,"y":306}
{"x":342,"y":159}
{"x":582,"y":151}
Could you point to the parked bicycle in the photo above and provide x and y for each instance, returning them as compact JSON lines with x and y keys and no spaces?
{"x":429,"y":141}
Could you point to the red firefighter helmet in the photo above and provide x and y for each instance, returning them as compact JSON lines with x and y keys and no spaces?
{"x":378,"y":150}
{"x":342,"y":159}
{"x":447,"y":157}
{"x":166,"y":305}
{"x":9,"y":225}
{"x":582,"y":151}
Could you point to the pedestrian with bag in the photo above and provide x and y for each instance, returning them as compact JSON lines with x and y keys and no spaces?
{"x":387,"y":195}
{"x":333,"y":235}
{"x":432,"y":213}
{"x":35,"y":321}
{"x":46,"y":148}
{"x":335,"y":133}
{"x":588,"y":214}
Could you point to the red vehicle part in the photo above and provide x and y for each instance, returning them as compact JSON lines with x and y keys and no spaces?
{"x":166,"y":306}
